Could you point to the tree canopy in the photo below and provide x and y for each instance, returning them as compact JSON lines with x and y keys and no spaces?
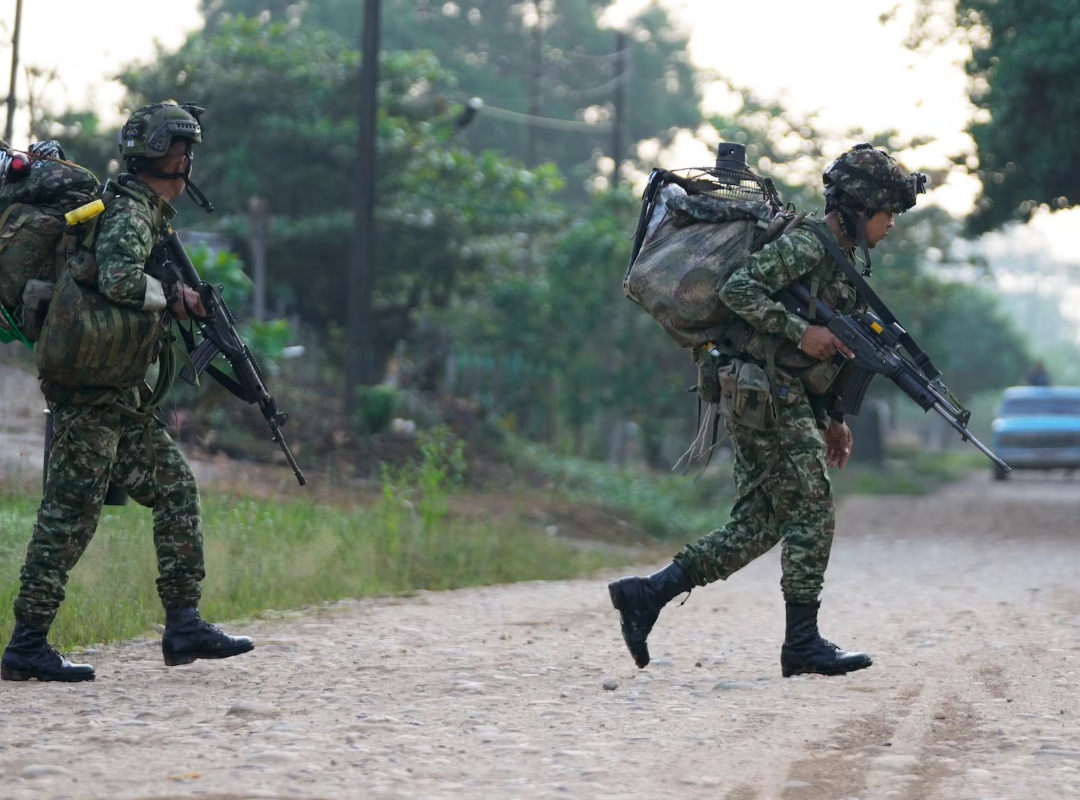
{"x":1025,"y":56}
{"x":281,"y":125}
{"x":548,"y":58}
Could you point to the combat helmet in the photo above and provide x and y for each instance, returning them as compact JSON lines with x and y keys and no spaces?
{"x":150,"y":131}
{"x":863,"y":181}
{"x":871,"y":180}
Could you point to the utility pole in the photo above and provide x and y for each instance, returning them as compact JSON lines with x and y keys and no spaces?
{"x":360,"y":355}
{"x":535,"y":79}
{"x":9,"y":127}
{"x":619,"y":102}
{"x":258,"y":236}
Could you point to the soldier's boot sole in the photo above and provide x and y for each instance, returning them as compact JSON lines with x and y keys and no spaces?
{"x":180,"y":659}
{"x":56,"y":677}
{"x":639,"y":651}
{"x":830,"y":671}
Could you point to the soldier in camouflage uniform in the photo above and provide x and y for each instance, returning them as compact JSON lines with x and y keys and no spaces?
{"x":781,"y":472}
{"x":103,"y":434}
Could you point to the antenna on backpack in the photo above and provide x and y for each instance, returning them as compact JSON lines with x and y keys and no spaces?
{"x":731,"y":156}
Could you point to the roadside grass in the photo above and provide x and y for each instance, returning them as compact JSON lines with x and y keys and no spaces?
{"x":673,"y":507}
{"x":665,"y":506}
{"x":263,"y":555}
{"x":908,"y":472}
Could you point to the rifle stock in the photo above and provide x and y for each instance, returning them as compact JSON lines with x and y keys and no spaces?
{"x":877,"y":352}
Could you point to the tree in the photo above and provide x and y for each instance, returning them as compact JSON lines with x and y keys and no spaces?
{"x":1025,"y":55}
{"x":490,"y":46}
{"x":280,"y":125}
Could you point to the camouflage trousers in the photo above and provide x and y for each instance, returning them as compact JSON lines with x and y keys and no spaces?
{"x":783,"y":494}
{"x":92,"y":445}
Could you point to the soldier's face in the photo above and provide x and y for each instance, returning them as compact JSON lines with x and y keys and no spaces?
{"x":177,"y":185}
{"x":878,"y":227}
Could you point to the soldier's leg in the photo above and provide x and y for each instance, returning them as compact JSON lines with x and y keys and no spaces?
{"x":803,"y":503}
{"x":167,"y":485}
{"x":80,"y":461}
{"x":752,"y":530}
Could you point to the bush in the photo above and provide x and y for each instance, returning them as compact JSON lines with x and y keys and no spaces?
{"x":375,"y":406}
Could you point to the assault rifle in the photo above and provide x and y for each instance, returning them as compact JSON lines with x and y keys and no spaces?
{"x":876,"y":345}
{"x":171,"y":265}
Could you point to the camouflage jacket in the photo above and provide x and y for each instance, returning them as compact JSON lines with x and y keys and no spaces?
{"x":798,"y":255}
{"x":128,"y":231}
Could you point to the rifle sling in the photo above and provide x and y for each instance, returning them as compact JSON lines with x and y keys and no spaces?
{"x":922,"y":360}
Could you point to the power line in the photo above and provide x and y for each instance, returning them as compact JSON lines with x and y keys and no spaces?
{"x":546,"y":122}
{"x":619,"y":80}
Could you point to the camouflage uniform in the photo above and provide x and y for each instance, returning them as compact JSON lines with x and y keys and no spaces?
{"x":100,"y":435}
{"x":782,"y":483}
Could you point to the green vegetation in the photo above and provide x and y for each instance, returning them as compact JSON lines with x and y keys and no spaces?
{"x":907,"y":473}
{"x":672,"y":507}
{"x":286,"y":554}
{"x":1023,"y":63}
{"x":669,"y":506}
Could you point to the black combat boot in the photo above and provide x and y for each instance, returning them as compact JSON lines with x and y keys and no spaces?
{"x":29,"y":655}
{"x":805,"y":651}
{"x":639,"y":601}
{"x":188,"y":637}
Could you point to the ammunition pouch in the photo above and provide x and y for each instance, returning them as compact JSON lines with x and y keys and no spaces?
{"x":745,"y":395}
{"x":819,"y":377}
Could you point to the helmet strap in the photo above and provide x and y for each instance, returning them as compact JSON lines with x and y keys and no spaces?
{"x":860,"y":227}
{"x":197,"y":197}
{"x":193,"y":191}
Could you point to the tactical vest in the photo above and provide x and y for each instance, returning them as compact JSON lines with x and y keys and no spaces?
{"x":828,"y":284}
{"x":88,"y":341}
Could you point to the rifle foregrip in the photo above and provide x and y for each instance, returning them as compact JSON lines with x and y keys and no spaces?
{"x":916,"y":389}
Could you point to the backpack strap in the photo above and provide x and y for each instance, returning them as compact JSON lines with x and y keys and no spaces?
{"x":922,"y":360}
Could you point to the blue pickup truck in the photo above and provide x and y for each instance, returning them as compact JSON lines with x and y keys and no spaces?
{"x":1038,"y":427}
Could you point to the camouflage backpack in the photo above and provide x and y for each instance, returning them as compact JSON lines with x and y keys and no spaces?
{"x":695,"y":228}
{"x":39,"y":209}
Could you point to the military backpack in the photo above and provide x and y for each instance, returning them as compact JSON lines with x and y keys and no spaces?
{"x":43,"y":198}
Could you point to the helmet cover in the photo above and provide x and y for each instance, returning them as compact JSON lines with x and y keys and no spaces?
{"x":873,"y":180}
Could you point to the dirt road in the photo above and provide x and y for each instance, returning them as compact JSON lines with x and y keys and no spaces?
{"x":967,"y":600}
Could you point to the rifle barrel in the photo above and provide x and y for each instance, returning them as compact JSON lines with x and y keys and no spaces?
{"x":967,"y":436}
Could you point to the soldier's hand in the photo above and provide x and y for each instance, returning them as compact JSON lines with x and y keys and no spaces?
{"x":838,"y":443}
{"x":822,"y":344}
{"x":186,"y":298}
